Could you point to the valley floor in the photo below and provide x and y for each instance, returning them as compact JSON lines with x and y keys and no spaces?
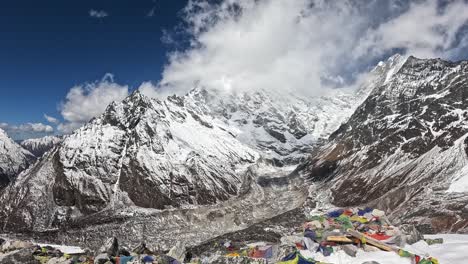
{"x":273,"y":192}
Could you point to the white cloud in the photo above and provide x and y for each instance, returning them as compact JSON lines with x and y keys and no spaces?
{"x":28,"y":127}
{"x":51,"y":119}
{"x":151,"y":13}
{"x":37,"y":127}
{"x":98,"y":13}
{"x":304,"y":46}
{"x":27,"y":130}
{"x":149,"y":89}
{"x":425,"y":30}
{"x":67,"y":128}
{"x":84,"y":102}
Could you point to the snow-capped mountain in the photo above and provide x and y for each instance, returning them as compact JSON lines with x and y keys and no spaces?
{"x":39,"y":146}
{"x":404,"y":149}
{"x":13,"y":159}
{"x":171,"y":161}
{"x":284,"y":130}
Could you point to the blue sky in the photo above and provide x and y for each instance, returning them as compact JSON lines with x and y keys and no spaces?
{"x":70,"y":59}
{"x":48,"y":46}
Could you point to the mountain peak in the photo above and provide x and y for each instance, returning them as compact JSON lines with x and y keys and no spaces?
{"x":39,"y":146}
{"x":3,"y":133}
{"x":409,"y":132}
{"x":13,"y":159}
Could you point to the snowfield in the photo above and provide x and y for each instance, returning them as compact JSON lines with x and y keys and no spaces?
{"x":452,"y":251}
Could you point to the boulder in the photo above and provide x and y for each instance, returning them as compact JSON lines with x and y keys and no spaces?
{"x":369,"y":248}
{"x":23,"y":256}
{"x":61,"y":260}
{"x":410,"y":234}
{"x":6,"y":246}
{"x":378,"y":213}
{"x":142,"y":249}
{"x":9,"y":245}
{"x":124,"y":252}
{"x":110,"y":247}
{"x":178,"y":251}
{"x":101,"y":258}
{"x":291,"y":240}
{"x":350,"y":250}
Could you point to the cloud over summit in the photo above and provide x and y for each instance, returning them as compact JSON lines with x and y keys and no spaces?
{"x":305,"y":46}
{"x":89,"y":100}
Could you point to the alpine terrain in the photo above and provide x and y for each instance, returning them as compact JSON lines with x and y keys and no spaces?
{"x":39,"y":146}
{"x":210,"y":162}
{"x":13,"y":159}
{"x":404,"y":149}
{"x":203,"y":164}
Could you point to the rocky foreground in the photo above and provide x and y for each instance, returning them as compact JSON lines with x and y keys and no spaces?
{"x":209,"y":168}
{"x":352,"y":234}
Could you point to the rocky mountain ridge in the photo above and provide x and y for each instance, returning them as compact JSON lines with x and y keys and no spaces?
{"x":404,"y":149}
{"x":197,"y":165}
{"x":39,"y":146}
{"x":13,"y":159}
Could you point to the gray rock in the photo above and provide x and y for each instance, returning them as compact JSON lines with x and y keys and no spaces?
{"x":410,"y":234}
{"x":369,"y":248}
{"x":409,"y":119}
{"x":351,"y":250}
{"x":178,"y":251}
{"x":101,"y":258}
{"x":111,"y":247}
{"x":23,"y":256}
{"x":61,"y":260}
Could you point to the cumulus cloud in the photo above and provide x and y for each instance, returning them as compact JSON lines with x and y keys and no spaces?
{"x":28,"y":127}
{"x":51,"y":119}
{"x":149,"y":89}
{"x":27,"y":130}
{"x":425,"y":30}
{"x":152,"y":12}
{"x":304,"y":46}
{"x":98,"y":13}
{"x":84,"y":102}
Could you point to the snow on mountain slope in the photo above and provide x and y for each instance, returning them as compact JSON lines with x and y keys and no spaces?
{"x":286,"y":127}
{"x":177,"y":160}
{"x":13,"y":159}
{"x":39,"y":146}
{"x":140,"y":152}
{"x":404,"y":149}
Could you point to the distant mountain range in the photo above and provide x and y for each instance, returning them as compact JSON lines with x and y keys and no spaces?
{"x":39,"y":146}
{"x":192,"y":162}
{"x":13,"y":159}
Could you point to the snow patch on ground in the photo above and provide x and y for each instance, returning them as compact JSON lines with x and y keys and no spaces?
{"x":452,"y":251}
{"x":65,"y":249}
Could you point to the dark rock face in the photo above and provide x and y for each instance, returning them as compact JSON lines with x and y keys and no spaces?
{"x":399,"y":150}
{"x":24,"y":256}
{"x":140,"y":152}
{"x":147,"y":156}
{"x":271,"y":123}
{"x":13,"y":159}
{"x":4,"y":180}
